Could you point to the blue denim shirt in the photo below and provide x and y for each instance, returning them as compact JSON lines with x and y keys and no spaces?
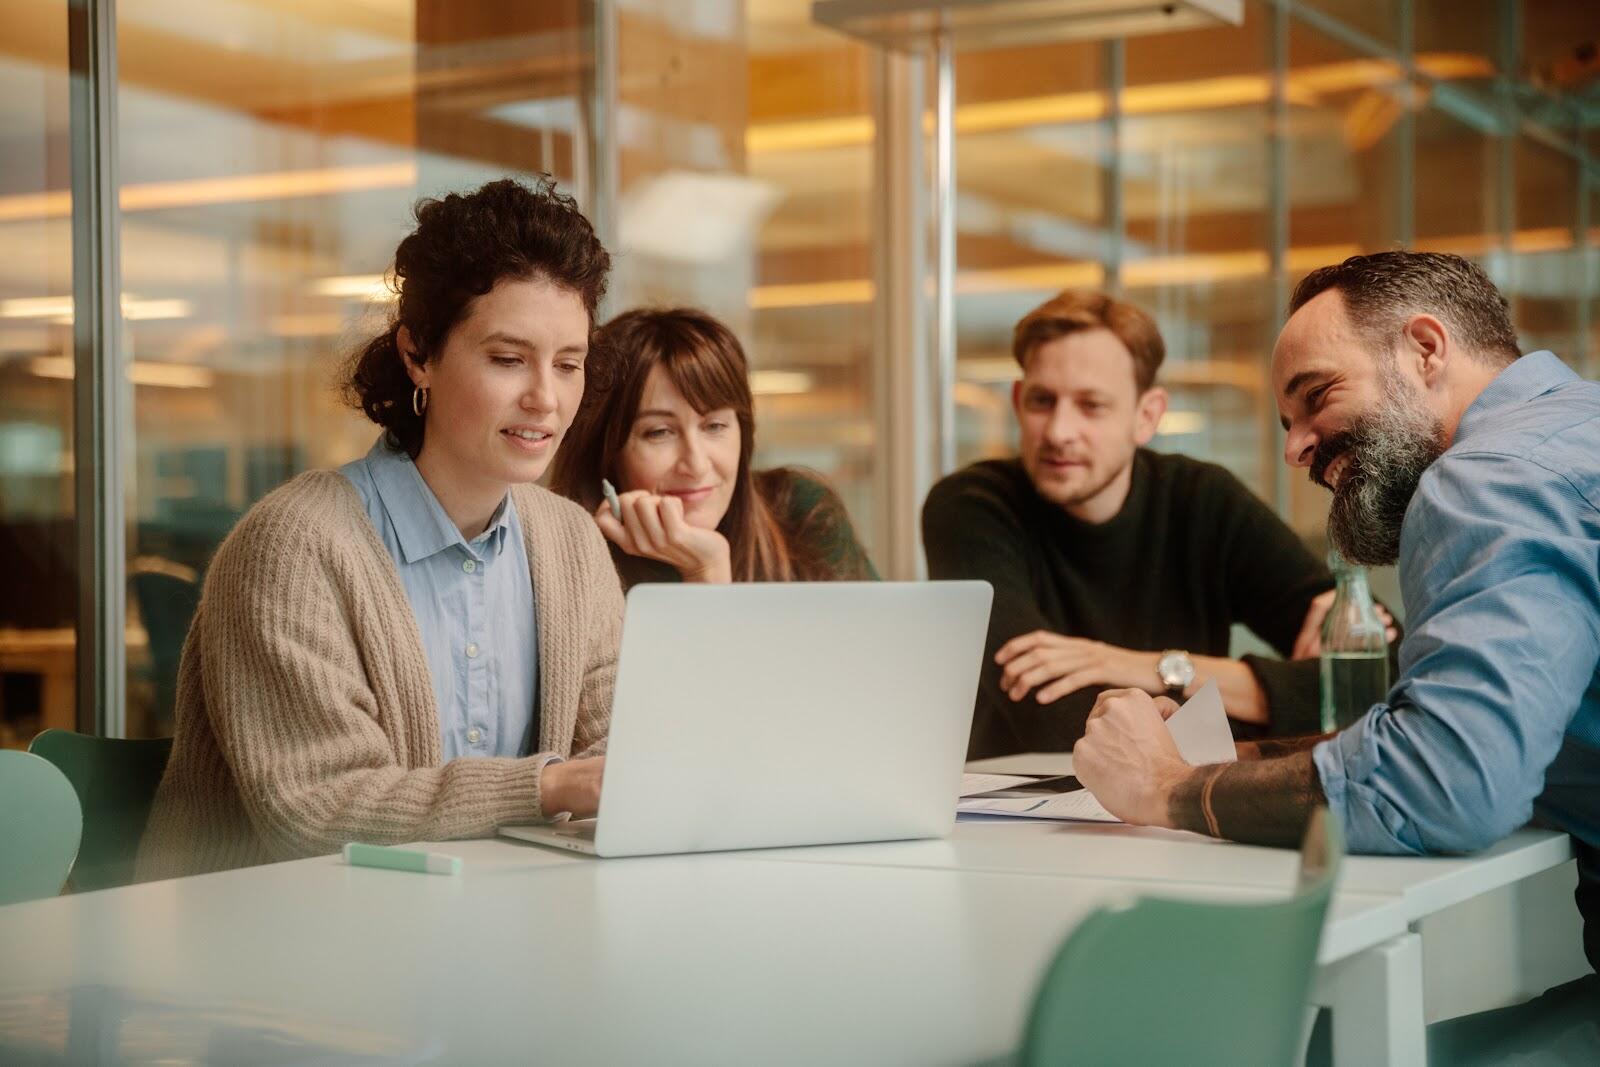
{"x":1496,"y":714}
{"x":474,"y":605}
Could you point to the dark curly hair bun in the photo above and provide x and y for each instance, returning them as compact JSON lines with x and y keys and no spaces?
{"x":464,"y":245}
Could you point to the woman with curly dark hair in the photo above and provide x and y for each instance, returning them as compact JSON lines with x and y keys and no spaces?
{"x":674,"y":432}
{"x":422,"y":644}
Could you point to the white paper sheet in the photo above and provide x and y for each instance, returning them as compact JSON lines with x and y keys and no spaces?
{"x":1079,"y":804}
{"x":973,"y":784}
{"x":1201,"y":730}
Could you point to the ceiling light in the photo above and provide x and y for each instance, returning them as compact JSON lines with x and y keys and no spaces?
{"x":58,"y":309}
{"x":232,"y":189}
{"x":36,"y":307}
{"x":910,"y":25}
{"x":171,"y":375}
{"x":141,"y":372}
{"x":373,"y":288}
{"x":136,"y":310}
{"x":811,"y":294}
{"x":779,"y":382}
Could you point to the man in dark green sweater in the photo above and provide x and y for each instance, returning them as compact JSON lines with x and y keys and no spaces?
{"x":1114,"y":566}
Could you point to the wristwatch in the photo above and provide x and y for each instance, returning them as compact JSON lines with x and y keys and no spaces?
{"x":1176,"y":671}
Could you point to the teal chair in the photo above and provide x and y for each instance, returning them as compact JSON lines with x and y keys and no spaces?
{"x":116,"y":782}
{"x":41,"y":824}
{"x":1190,"y":982}
{"x":167,"y":604}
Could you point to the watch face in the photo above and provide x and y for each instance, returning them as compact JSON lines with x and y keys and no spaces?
{"x":1176,"y":670}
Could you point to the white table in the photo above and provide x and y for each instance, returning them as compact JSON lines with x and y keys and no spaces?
{"x":1428,"y":884}
{"x":1423,"y":885}
{"x":944,"y":938}
{"x":540,"y":955}
{"x":1374,"y":987}
{"x":1376,"y":994}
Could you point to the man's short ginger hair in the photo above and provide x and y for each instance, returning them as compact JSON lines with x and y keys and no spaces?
{"x":1076,"y":310}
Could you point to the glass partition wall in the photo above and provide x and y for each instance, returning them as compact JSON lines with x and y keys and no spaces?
{"x":1214,"y":168}
{"x":270,"y":156}
{"x":731,"y":151}
{"x":38,"y":543}
{"x":744,"y":168}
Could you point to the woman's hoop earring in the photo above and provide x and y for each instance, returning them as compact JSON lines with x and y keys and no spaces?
{"x":419,"y":401}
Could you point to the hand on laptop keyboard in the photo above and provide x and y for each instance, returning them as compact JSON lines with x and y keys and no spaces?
{"x":572,"y":786}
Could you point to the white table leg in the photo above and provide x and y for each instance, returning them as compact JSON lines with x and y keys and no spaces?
{"x":1312,"y":1011}
{"x":1376,"y":999}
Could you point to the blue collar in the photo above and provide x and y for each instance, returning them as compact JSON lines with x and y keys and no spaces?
{"x":421,"y":526}
{"x":1533,"y":375}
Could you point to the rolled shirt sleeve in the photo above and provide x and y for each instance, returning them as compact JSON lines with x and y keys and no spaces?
{"x":1501,"y":570}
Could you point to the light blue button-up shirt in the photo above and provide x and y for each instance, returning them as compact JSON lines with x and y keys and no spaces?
{"x":474,"y":605}
{"x":1496,"y":715}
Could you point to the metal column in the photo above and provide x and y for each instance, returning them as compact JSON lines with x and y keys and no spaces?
{"x":944,"y":140}
{"x":600,"y":118}
{"x":902,"y":387}
{"x":99,"y":415}
{"x":1113,"y":210}
{"x":1278,"y":238}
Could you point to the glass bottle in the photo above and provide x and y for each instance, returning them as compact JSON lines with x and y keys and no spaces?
{"x":1355,"y":649}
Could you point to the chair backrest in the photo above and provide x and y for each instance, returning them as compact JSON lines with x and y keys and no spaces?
{"x":40,"y":827}
{"x":1174,"y":981}
{"x":167,"y":604}
{"x":116,"y":783}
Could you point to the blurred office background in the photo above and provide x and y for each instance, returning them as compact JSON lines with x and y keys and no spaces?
{"x":738,"y":156}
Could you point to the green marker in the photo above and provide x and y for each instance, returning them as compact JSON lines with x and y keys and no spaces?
{"x":400,"y":859}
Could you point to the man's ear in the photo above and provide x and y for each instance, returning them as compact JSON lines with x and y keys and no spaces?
{"x":1147,"y":416}
{"x":415,"y":369}
{"x":1427,"y":344}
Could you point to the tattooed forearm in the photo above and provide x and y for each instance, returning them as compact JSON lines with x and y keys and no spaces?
{"x":1272,"y":748}
{"x":1261,"y":802}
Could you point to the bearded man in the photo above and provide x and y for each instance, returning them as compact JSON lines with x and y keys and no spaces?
{"x":1399,"y":380}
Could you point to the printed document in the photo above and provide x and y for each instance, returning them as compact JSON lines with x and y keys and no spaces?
{"x":1200,"y":729}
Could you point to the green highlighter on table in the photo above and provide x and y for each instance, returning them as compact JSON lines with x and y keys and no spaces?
{"x":400,"y":859}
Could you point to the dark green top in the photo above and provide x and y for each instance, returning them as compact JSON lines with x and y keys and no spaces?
{"x":814,"y":522}
{"x":1191,"y":553}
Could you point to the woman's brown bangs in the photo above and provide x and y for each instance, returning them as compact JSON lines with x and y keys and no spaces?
{"x":708,"y":377}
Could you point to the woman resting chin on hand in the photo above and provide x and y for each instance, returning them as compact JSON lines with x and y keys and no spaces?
{"x":675,"y":433}
{"x":656,"y":527}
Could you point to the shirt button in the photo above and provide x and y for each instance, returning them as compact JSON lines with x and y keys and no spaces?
{"x":474,"y":734}
{"x":469,"y":565}
{"x":472,"y":651}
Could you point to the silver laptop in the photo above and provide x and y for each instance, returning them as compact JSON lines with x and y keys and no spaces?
{"x":807,"y":713}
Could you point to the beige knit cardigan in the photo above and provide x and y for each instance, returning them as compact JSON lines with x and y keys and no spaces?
{"x":305,"y":713}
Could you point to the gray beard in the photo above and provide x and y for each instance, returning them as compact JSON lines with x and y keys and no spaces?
{"x":1389,"y":450}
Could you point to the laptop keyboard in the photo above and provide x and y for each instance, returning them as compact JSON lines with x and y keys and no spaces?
{"x":582,"y":831}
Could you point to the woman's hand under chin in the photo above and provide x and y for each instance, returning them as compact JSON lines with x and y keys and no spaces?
{"x":654,"y":527}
